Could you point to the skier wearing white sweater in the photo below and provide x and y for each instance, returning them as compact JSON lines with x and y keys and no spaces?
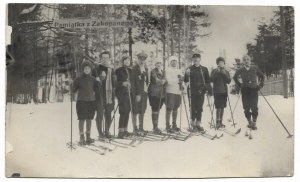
{"x":173,"y":93}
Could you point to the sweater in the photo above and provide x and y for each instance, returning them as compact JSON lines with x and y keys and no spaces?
{"x":249,"y":77}
{"x":220,"y":79}
{"x":156,"y":88}
{"x":86,"y":85}
{"x":173,"y":80}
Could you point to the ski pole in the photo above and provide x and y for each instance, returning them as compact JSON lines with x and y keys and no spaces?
{"x":233,"y":123}
{"x":211,"y":112}
{"x":236,"y":103}
{"x":289,"y":135}
{"x":187,"y":116}
{"x":113,"y":118}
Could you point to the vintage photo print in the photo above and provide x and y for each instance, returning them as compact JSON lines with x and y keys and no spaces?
{"x":149,"y":91}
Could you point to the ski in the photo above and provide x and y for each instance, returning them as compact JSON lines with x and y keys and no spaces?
{"x":205,"y":134}
{"x":158,"y":137}
{"x":179,"y":135}
{"x":116,"y":143}
{"x":93,"y":149}
{"x":110,"y":149}
{"x":231,"y":133}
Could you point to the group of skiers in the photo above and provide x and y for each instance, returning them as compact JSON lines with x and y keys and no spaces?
{"x":133,"y":85}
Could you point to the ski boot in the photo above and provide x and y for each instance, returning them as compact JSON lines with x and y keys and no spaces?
{"x":249,"y":123}
{"x":82,"y":140}
{"x":254,"y":127}
{"x":157,"y":131}
{"x":198,"y":127}
{"x":222,"y":125}
{"x":169,"y":129}
{"x":89,"y":140}
{"x":101,"y":135}
{"x":175,"y":128}
{"x":108,"y":135}
{"x":121,"y":135}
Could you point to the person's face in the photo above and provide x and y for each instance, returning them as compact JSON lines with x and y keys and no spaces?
{"x":142,"y":60}
{"x":87,"y":70}
{"x":246,"y":61}
{"x":173,"y":63}
{"x":196,"y":61}
{"x":221,"y":64}
{"x":105,"y":58}
{"x":158,"y":66}
{"x":127,"y":62}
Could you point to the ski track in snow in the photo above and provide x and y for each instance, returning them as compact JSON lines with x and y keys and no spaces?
{"x":38,"y":135}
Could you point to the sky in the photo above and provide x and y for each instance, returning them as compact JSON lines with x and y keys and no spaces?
{"x":232,"y":28}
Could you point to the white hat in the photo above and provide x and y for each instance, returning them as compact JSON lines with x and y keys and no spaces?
{"x":171,"y":58}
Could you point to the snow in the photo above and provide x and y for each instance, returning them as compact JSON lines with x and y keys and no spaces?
{"x":36,"y":137}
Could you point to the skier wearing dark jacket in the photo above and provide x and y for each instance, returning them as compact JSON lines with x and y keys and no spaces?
{"x":124,"y":87}
{"x":156,"y":93}
{"x":199,"y":80}
{"x":250,"y":76}
{"x":141,"y":81}
{"x":220,"y":77}
{"x":86,"y":86}
{"x":106,"y":97}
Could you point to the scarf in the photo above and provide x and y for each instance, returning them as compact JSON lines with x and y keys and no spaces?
{"x":108,"y":87}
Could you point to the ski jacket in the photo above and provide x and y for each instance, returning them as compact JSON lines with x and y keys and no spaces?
{"x":140,"y":79}
{"x":249,"y":77}
{"x":220,"y":78}
{"x":124,"y":74}
{"x":199,"y":80}
{"x":87,"y":86}
{"x":97,"y":71}
{"x":156,"y":88}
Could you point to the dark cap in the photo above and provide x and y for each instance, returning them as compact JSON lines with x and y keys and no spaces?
{"x":124,"y":58}
{"x":196,"y":55}
{"x":220,"y":59}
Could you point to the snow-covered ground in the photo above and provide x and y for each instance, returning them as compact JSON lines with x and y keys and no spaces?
{"x":36,"y":137}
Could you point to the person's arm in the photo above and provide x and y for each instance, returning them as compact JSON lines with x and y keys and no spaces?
{"x":226,"y":76}
{"x":261,"y":77}
{"x":187,"y":75}
{"x":213,"y":74}
{"x":75,"y":85}
{"x":207,"y":82}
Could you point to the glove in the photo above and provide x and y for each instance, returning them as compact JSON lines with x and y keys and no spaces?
{"x":98,"y":79}
{"x":126,"y":84}
{"x":138,"y":98}
{"x":188,"y":72}
{"x":261,"y":85}
{"x":103,"y":75}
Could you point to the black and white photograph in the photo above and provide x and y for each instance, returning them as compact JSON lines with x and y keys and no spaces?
{"x":149,"y":91}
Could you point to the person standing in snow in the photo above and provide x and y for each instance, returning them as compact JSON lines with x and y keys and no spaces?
{"x":86,"y":86}
{"x":104,"y":73}
{"x":252,"y":81}
{"x":124,"y":87}
{"x":199,"y":83}
{"x":156,"y":94}
{"x":173,"y":93}
{"x":220,"y":77}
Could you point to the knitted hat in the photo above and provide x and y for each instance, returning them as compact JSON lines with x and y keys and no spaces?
{"x":171,"y":58}
{"x":86,"y":63}
{"x":196,"y":55}
{"x":220,"y":59}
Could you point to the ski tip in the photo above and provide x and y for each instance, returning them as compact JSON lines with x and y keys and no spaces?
{"x":238,"y":131}
{"x":290,"y":136}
